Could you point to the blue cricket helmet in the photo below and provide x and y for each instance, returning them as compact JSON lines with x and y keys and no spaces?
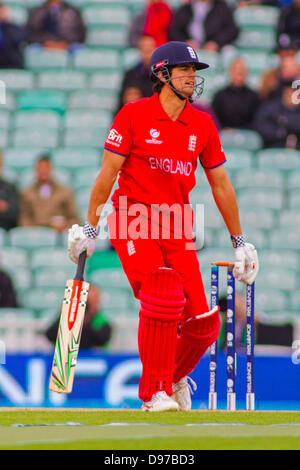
{"x":174,"y":53}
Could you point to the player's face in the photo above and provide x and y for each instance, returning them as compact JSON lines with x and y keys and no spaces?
{"x":183,"y":78}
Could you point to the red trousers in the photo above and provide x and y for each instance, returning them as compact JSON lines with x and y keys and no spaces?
{"x":141,"y":256}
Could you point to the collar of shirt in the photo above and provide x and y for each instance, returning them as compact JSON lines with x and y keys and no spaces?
{"x":159,"y":112}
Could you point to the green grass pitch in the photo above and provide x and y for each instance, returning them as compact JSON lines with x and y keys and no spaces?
{"x":85,"y":429}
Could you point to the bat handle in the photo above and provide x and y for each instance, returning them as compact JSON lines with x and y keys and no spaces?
{"x":80,"y":267}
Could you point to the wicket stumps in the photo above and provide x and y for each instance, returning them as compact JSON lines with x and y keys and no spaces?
{"x":231,"y":359}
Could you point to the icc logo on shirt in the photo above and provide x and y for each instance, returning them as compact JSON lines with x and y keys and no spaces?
{"x":154,"y":133}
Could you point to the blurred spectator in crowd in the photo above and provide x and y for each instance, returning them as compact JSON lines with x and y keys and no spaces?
{"x":55,"y":24}
{"x":9,"y":202}
{"x":207,"y":24}
{"x":47,"y":203}
{"x":137,"y":78}
{"x":289,"y":22}
{"x":12,"y":39}
{"x":8,"y":298}
{"x":154,"y":20}
{"x":236,"y":104}
{"x":278,"y":119}
{"x":288,"y":69}
{"x":131,"y":94}
{"x":96,"y":330}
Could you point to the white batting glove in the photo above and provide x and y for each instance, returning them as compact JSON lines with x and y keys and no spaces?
{"x":246,"y":264}
{"x":81,"y":239}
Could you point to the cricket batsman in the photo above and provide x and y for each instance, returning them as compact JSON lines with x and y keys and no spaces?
{"x":153,"y":147}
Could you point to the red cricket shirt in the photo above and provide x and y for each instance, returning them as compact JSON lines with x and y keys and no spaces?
{"x":161,"y":154}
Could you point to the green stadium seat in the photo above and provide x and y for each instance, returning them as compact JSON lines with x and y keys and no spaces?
{"x":95,"y":59}
{"x":293,"y":181}
{"x":67,"y":80}
{"x":10,"y":101}
{"x":20,"y":276}
{"x":211,"y":58}
{"x":32,"y":3}
{"x":18,"y":14}
{"x":83,"y":196}
{"x":54,"y":258}
{"x":115,"y":298}
{"x":109,"y":277}
{"x":20,"y":158}
{"x":42,"y":100}
{"x":38,"y":58}
{"x":238,"y":158}
{"x":270,"y":300}
{"x":257,"y":60}
{"x":113,"y":37}
{"x":259,"y":179}
{"x":105,"y":80}
{"x":53,"y":276}
{"x":201,"y":195}
{"x":5,"y":119}
{"x":10,"y":175}
{"x":290,"y":219}
{"x":279,"y":278}
{"x":294,"y":199}
{"x":213,"y":218}
{"x":213,"y":82}
{"x":37,"y":119}
{"x":103,"y":259}
{"x":43,"y":297}
{"x":254,"y":81}
{"x":85,"y":177}
{"x":279,"y":258}
{"x":259,"y":197}
{"x":112,"y":14}
{"x":16,"y":313}
{"x":86,"y":118}
{"x":130,"y":57}
{"x":4,"y":138}
{"x":241,"y":138}
{"x":257,"y":39}
{"x":281,"y":159}
{"x":295,"y":301}
{"x":32,"y":237}
{"x":17,"y":80}
{"x":285,"y":239}
{"x":259,"y":218}
{"x":92,"y":100}
{"x":35,"y":137}
{"x":74,"y":158}
{"x":254,"y":16}
{"x":13,"y":257}
{"x":86,"y":137}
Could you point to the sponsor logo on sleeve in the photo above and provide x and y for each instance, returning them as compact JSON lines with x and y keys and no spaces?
{"x":114,"y":138}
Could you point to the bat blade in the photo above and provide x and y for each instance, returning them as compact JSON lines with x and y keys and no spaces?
{"x":68,"y":336}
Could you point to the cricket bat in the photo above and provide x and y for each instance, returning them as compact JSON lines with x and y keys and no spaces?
{"x":69,"y":331}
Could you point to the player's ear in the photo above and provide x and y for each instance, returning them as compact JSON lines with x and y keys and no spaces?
{"x":161,"y":76}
